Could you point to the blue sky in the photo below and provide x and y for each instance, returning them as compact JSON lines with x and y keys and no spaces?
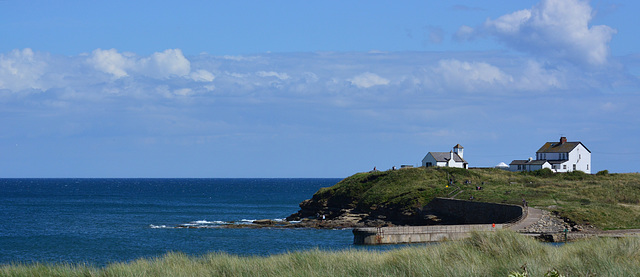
{"x":310,"y":89}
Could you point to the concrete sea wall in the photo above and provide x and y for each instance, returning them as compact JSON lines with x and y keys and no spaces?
{"x":470,"y":216}
{"x":415,"y":234}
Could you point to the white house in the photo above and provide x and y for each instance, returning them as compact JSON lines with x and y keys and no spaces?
{"x":446,"y":159}
{"x":528,"y":165}
{"x":562,"y":156}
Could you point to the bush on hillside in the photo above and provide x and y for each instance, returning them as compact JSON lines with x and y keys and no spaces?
{"x":575,"y":175}
{"x":545,"y":172}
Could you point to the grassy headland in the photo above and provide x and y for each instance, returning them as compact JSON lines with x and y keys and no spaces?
{"x":502,"y":253}
{"x":606,"y":201}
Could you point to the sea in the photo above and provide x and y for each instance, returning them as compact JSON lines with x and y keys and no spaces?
{"x":103,"y":221}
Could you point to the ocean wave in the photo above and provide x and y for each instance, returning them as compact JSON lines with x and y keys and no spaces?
{"x":206,"y":224}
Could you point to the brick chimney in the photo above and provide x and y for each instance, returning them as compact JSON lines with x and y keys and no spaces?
{"x":563,"y":140}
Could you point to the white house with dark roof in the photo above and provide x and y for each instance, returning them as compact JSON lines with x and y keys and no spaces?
{"x":562,"y":156}
{"x":446,"y":159}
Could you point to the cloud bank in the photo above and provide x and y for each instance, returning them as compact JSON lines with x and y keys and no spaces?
{"x":557,"y":29}
{"x":107,"y":73}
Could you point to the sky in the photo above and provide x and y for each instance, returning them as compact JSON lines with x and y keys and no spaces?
{"x":250,"y":89}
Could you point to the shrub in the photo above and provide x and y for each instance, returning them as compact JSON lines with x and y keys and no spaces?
{"x":574,"y":175}
{"x":603,"y":173}
{"x":545,"y":172}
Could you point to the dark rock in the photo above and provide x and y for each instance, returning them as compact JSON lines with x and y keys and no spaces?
{"x":264,"y":222}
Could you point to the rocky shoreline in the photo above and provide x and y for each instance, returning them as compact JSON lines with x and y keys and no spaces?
{"x":323,"y":214}
{"x":549,"y":228}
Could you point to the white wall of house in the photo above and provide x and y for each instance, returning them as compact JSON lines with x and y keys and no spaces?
{"x":578,"y":159}
{"x":581,"y":158}
{"x":429,"y":160}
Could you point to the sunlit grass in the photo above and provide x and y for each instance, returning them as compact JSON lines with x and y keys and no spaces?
{"x":607,"y":201}
{"x":483,"y":254}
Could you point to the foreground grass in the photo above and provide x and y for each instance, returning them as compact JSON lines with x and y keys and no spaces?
{"x":484,"y":254}
{"x":607,"y":201}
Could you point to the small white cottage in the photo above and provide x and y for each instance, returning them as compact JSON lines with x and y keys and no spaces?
{"x":562,"y":156}
{"x":446,"y":159}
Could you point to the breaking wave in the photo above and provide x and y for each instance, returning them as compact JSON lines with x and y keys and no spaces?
{"x":204,"y":224}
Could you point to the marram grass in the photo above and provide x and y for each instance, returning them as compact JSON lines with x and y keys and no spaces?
{"x":503,"y":253}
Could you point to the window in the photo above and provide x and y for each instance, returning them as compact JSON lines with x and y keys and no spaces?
{"x":429,"y":164}
{"x":564,"y":166}
{"x":574,"y":167}
{"x":587,"y":166}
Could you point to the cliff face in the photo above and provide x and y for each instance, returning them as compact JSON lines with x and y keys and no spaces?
{"x":375,"y":199}
{"x":347,"y":214}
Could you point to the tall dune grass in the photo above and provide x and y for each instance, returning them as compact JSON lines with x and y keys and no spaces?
{"x":483,"y":254}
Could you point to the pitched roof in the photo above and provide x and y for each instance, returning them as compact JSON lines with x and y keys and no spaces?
{"x":445,"y":156}
{"x":458,"y":146}
{"x":536,"y":162}
{"x":557,"y":147}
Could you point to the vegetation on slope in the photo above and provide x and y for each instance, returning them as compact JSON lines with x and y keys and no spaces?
{"x":502,"y":253}
{"x":606,"y":201}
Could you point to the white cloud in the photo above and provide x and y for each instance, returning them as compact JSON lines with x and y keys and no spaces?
{"x":21,"y":69}
{"x":110,"y":61}
{"x":183,"y":92}
{"x":281,"y":76}
{"x":202,"y":75}
{"x":537,"y":78}
{"x":553,"y":28}
{"x":165,"y":64}
{"x":109,"y":73}
{"x":475,"y":76}
{"x":170,"y":62}
{"x":367,"y":80}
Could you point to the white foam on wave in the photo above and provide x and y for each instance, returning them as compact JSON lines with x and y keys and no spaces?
{"x":247,"y":221}
{"x":158,"y":226}
{"x":207,"y":222}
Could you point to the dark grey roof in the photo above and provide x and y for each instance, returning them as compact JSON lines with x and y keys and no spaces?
{"x":521,"y":162}
{"x":445,"y":156}
{"x":557,"y":147}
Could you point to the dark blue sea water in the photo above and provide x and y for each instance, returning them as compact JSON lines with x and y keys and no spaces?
{"x":98,"y":221}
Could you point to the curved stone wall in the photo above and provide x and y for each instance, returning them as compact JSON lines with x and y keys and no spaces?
{"x":453,"y":211}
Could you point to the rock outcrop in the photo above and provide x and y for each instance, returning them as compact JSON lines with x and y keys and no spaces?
{"x":345,"y":214}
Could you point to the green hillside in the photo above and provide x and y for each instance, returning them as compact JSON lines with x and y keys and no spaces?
{"x":606,"y":201}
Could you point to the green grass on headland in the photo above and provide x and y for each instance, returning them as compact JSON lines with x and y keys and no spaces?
{"x":607,"y":201}
{"x":502,"y":253}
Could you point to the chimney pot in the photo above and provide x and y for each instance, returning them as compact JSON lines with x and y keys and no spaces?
{"x":563,"y":140}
